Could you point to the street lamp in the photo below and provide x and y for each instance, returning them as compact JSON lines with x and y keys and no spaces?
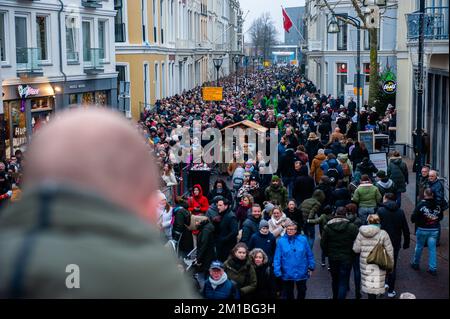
{"x":254,"y":61}
{"x":236,"y":60}
{"x":217,"y":64}
{"x":333,"y":27}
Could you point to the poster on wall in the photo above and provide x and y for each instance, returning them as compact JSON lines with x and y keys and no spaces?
{"x":379,"y":160}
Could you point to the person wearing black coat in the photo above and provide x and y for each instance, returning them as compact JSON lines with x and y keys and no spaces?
{"x":264,"y":240}
{"x":312,"y":146}
{"x":293,"y":213}
{"x":286,"y":169}
{"x":341,"y":195}
{"x":228,"y":230}
{"x":180,"y":231}
{"x":265,"y":287}
{"x":366,"y":167}
{"x":206,"y":252}
{"x":393,"y":221}
{"x":303,"y":187}
{"x":326,"y":187}
{"x":251,"y":224}
{"x":358,"y":154}
{"x":220,"y":189}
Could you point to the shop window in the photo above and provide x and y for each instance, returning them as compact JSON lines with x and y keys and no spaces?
{"x":15,"y":120}
{"x":42,"y":104}
{"x":73,"y":99}
{"x":87,"y":98}
{"x":101,"y":98}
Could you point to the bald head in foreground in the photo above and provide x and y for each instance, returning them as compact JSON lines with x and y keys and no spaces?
{"x":82,"y":228}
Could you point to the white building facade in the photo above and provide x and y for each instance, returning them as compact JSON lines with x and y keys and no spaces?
{"x":54,"y":54}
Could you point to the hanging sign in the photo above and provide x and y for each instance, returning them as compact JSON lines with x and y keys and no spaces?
{"x":25,"y":91}
{"x":389,"y":87}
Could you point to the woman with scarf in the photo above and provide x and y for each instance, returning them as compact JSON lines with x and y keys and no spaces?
{"x":277,"y":222}
{"x":242,"y":210}
{"x":218,"y":286}
{"x":239,"y":268}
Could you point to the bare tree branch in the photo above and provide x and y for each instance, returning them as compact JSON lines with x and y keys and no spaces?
{"x":359,"y":12}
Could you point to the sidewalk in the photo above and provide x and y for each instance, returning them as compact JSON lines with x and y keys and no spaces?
{"x":408,"y":204}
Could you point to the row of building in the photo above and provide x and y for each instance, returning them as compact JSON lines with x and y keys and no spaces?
{"x":330,"y":61}
{"x":124,"y":54}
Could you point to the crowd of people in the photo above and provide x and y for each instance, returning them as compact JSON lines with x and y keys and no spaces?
{"x":253,"y":234}
{"x":11,"y":179}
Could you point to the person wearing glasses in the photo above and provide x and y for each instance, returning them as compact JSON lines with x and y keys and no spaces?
{"x":293,"y":262}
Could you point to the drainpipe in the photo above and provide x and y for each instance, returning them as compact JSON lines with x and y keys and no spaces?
{"x":60,"y":41}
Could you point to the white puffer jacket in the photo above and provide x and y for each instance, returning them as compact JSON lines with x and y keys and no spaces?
{"x":372,"y":277}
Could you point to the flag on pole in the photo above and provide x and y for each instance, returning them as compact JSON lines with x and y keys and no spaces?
{"x":287,"y":22}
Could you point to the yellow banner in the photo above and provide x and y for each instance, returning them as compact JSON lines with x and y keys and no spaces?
{"x":212,"y":93}
{"x":266,"y":63}
{"x":355,"y":90}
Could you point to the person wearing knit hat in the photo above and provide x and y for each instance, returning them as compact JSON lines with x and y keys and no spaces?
{"x":263,"y":223}
{"x":276,"y":192}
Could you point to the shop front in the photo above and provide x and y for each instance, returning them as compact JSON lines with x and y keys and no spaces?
{"x":87,"y":93}
{"x":27,"y":107}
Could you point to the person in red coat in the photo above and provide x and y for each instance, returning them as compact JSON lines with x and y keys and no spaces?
{"x":198,"y":205}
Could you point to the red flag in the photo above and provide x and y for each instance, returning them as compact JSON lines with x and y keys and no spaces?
{"x":287,"y":22}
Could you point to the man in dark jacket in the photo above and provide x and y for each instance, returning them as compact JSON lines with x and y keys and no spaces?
{"x":337,"y":244}
{"x":427,"y":217}
{"x":228,"y":230}
{"x":286,"y":170}
{"x":303,"y":187}
{"x":393,"y":221}
{"x":206,"y":252}
{"x":398,"y":172}
{"x":251,"y":224}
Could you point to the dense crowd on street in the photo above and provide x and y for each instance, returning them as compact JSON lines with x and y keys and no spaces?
{"x":252,"y":235}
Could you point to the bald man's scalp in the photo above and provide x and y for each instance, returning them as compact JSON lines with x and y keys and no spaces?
{"x":95,"y":149}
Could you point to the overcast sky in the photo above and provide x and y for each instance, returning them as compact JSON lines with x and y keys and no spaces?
{"x":257,"y":7}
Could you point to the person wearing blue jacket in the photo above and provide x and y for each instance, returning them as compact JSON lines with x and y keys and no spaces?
{"x":293,"y":262}
{"x":218,"y":286}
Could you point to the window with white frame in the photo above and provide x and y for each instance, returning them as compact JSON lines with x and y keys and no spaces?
{"x":157,"y":84}
{"x":3,"y":36}
{"x":21,"y":32}
{"x":155,"y":21}
{"x":144,"y":20}
{"x":163,"y":80}
{"x":42,"y":32}
{"x":102,"y":38}
{"x":366,"y":73}
{"x":71,"y":39}
{"x":119,"y":21}
{"x":87,"y":40}
{"x":146,"y":85}
{"x":161,"y":10}
{"x":341,"y":78}
{"x":342,"y":36}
